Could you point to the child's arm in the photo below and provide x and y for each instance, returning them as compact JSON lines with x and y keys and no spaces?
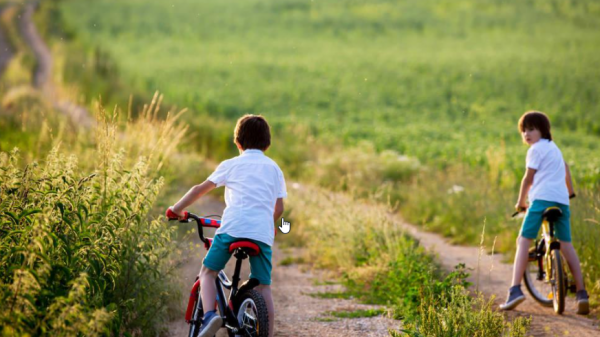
{"x":525,"y":186}
{"x":569,"y":181}
{"x":278,"y":209}
{"x":192,"y":195}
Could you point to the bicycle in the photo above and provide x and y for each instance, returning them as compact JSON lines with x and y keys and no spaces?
{"x":245,"y":312}
{"x":545,"y":276}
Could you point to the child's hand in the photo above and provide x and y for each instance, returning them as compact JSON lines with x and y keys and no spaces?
{"x":521,"y":206}
{"x":181,"y":215}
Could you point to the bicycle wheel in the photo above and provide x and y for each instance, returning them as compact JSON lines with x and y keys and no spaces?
{"x":558,"y":282}
{"x":196,"y":318}
{"x":252,"y":315}
{"x":540,"y":290}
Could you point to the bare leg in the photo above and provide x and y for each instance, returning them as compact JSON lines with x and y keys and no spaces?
{"x":521,"y":258}
{"x":570,"y":255}
{"x":265,"y":291}
{"x":208,"y":289}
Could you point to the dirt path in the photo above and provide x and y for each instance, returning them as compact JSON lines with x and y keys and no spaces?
{"x":43,"y":69}
{"x":297,"y":313}
{"x":6,"y":51}
{"x":495,"y":278}
{"x":42,"y":74}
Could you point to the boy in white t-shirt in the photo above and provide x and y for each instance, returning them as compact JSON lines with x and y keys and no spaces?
{"x":254,"y":192}
{"x":548,"y":183}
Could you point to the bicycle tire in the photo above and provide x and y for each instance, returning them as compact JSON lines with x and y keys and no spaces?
{"x":259,"y":325}
{"x":537,"y":289}
{"x":558,"y":287}
{"x":197,"y":315}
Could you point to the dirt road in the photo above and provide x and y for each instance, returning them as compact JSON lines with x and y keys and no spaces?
{"x":6,"y":51}
{"x":299,"y":314}
{"x":42,"y":74}
{"x":495,"y":278}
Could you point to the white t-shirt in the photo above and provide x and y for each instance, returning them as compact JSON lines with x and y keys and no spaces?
{"x":549,"y":181}
{"x":253,"y":183}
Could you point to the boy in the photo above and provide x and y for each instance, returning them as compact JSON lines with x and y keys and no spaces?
{"x":254,"y":192}
{"x":547,"y":182}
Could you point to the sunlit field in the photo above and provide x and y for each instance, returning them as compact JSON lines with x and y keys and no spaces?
{"x":439,"y":80}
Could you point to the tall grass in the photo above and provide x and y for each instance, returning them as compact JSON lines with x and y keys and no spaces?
{"x":79,"y":251}
{"x":364,"y":246}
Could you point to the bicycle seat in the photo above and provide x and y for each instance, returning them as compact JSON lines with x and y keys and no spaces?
{"x":248,"y":247}
{"x":552,"y":213}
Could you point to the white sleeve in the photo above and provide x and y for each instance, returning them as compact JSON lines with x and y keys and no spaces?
{"x":282,"y":193}
{"x":219,"y":176}
{"x":533,"y":159}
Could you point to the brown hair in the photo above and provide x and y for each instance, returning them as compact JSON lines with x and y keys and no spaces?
{"x":536,"y":120}
{"x":252,"y":132}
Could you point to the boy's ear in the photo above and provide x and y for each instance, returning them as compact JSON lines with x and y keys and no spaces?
{"x":238,"y":145}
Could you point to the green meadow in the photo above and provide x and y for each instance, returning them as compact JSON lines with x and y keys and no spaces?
{"x":442,"y":81}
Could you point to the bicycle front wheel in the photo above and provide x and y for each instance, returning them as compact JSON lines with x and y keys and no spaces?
{"x":196,"y":318}
{"x":252,"y":315}
{"x":540,"y":290}
{"x":558,"y":282}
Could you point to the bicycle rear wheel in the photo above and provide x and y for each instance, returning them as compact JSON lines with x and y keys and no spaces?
{"x":540,"y":290}
{"x":558,"y":282}
{"x":252,"y":315}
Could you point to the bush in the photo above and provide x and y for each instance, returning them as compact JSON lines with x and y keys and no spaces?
{"x":79,"y":254}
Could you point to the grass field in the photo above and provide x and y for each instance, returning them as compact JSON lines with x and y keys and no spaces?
{"x":443,"y":81}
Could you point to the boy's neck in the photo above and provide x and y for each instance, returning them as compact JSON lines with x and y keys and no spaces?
{"x":251,"y":151}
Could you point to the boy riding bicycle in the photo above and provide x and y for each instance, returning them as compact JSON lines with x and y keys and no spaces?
{"x":547,"y":182}
{"x":254,"y":192}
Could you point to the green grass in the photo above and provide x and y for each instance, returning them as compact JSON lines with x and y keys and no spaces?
{"x":357,"y":313}
{"x":380,"y":70}
{"x":291,"y":260}
{"x":329,"y":295}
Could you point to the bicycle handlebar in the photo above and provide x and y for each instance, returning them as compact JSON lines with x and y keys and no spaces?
{"x":200,"y":221}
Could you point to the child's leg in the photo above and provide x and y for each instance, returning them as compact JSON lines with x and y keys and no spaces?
{"x":521,"y":259}
{"x":570,"y":255}
{"x":208,"y":288}
{"x":265,"y":291}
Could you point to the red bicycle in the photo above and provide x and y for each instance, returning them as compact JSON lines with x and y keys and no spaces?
{"x":245,"y":312}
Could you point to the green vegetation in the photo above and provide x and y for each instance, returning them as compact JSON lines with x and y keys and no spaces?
{"x":378,"y":263}
{"x":357,"y":313}
{"x":440,"y":80}
{"x":80,"y":252}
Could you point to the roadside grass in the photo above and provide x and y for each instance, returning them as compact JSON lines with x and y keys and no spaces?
{"x":379,"y":264}
{"x":329,"y":295}
{"x":357,"y":313}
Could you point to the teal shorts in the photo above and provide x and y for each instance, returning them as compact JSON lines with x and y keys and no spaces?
{"x":218,"y":255}
{"x":533,"y":220}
